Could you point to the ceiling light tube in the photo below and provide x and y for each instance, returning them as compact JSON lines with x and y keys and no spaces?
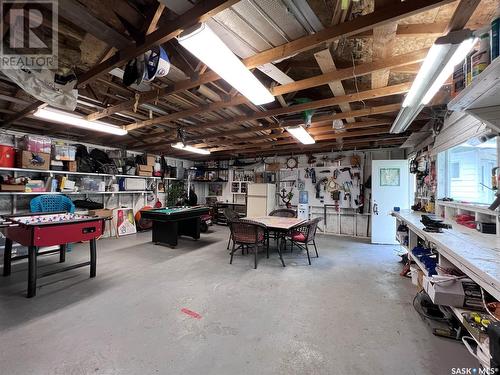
{"x":438,"y":65}
{"x":181,"y":146}
{"x":203,"y":43}
{"x":301,"y":134}
{"x":66,"y":118}
{"x":460,"y":53}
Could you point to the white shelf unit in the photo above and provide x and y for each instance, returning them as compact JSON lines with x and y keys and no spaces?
{"x":481,"y":98}
{"x":51,"y":172}
{"x":19,"y":171}
{"x":474,"y":253}
{"x":450,"y":209}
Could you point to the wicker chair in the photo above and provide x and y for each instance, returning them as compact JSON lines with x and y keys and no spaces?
{"x":284,"y":212}
{"x":245,"y":234}
{"x":304,"y":234}
{"x":231,"y":216}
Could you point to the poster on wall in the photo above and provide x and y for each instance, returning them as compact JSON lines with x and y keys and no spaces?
{"x":389,"y":177}
{"x":215,"y":189}
{"x":125,"y":222}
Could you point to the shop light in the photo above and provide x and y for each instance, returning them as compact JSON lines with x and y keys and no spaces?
{"x":301,"y":134}
{"x":438,"y":65}
{"x":203,"y":43}
{"x":181,"y":146}
{"x":66,"y":118}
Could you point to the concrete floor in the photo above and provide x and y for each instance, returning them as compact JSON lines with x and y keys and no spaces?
{"x":348,"y":313}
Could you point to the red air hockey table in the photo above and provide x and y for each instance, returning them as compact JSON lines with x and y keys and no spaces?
{"x":49,"y":229}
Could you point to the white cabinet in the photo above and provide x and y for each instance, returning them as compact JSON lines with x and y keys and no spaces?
{"x":261,"y":199}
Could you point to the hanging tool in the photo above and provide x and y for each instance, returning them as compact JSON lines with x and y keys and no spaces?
{"x":336,"y":174}
{"x":346,"y":186}
{"x":313,"y":175}
{"x":347,"y":169}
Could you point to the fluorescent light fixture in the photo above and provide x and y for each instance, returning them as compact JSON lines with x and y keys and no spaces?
{"x":181,"y":146}
{"x":203,"y":43}
{"x":459,"y":56}
{"x":301,"y":134}
{"x":66,"y":118}
{"x":438,"y":65}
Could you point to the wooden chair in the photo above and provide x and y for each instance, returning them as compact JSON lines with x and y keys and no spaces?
{"x":230,"y":215}
{"x":304,"y":234}
{"x":247,"y":234}
{"x":284,"y":212}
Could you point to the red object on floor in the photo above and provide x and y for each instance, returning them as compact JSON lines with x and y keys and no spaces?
{"x":191,"y":313}
{"x":141,"y":223}
{"x":7,"y":156}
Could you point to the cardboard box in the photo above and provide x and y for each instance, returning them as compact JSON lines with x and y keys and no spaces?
{"x":24,"y":159}
{"x":101,"y":213}
{"x":150,"y":159}
{"x":448,"y":293}
{"x":144,"y":168}
{"x":7,"y":187}
{"x":70,"y":166}
{"x":145,"y":174}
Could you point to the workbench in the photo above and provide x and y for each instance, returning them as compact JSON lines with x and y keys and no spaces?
{"x":474,"y":253}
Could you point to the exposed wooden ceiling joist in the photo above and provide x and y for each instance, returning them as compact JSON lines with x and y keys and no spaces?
{"x":326,"y":64}
{"x":337,"y":75}
{"x":357,"y":25}
{"x":346,"y":134}
{"x":79,"y":15}
{"x":199,"y":13}
{"x":317,"y":120}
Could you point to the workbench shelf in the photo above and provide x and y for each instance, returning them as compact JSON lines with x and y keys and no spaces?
{"x":51,"y":172}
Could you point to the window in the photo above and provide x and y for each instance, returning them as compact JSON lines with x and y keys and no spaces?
{"x":455,"y":170}
{"x":464,"y":172}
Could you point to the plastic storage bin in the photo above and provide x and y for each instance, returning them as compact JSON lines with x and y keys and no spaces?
{"x":35,"y":143}
{"x":63,"y":152}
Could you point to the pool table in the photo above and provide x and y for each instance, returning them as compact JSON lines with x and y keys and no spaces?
{"x":171,"y":222}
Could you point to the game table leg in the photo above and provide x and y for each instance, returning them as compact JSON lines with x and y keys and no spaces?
{"x":62,"y":253}
{"x":93,"y":258}
{"x":32,"y":270}
{"x":7,"y":257}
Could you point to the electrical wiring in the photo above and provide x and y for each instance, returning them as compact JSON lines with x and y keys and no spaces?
{"x":356,"y":78}
{"x":422,"y":313}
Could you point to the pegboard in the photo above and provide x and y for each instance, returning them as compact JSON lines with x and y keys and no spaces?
{"x":292,"y":181}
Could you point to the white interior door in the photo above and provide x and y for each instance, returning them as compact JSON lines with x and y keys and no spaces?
{"x":390,"y":188}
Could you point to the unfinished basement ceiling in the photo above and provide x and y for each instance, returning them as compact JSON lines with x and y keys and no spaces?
{"x":214,"y":116}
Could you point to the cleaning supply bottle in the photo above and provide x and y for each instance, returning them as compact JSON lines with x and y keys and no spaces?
{"x":481,"y":59}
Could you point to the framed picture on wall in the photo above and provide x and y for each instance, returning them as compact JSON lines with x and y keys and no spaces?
{"x":215,"y":189}
{"x":389,"y":177}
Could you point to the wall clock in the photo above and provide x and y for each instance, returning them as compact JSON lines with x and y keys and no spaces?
{"x":292,"y":162}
